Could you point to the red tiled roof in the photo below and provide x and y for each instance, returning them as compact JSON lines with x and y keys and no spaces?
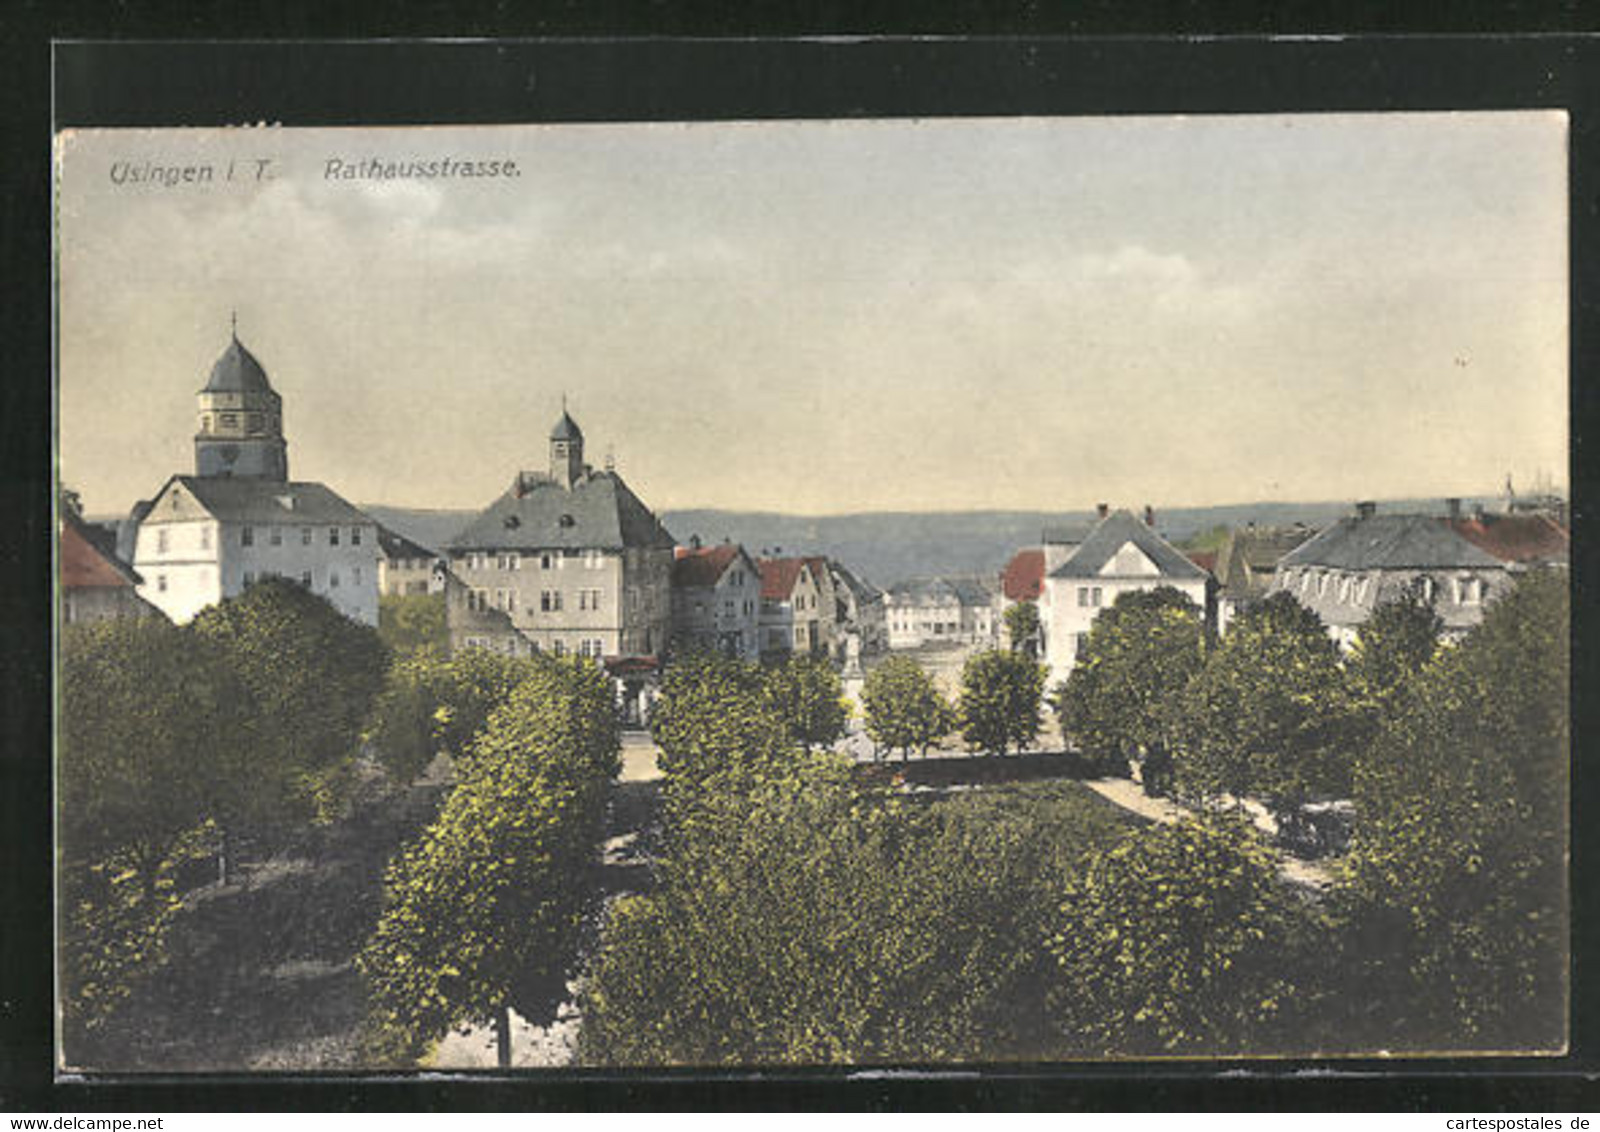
{"x":1205,"y":559}
{"x":1023,"y":578}
{"x":778,"y":576}
{"x":84,"y":566}
{"x":1516,"y":538}
{"x":702,"y":567}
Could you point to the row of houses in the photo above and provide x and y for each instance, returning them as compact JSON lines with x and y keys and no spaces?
{"x":567,"y":560}
{"x":1459,"y":563}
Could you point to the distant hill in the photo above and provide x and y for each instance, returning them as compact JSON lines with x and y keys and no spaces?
{"x":889,"y":547}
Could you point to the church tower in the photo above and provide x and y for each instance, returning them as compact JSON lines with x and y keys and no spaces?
{"x":566,"y":451}
{"x":241,"y":421}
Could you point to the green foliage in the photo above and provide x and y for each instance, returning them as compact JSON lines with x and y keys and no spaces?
{"x":714,"y":714}
{"x":413,"y":622}
{"x":904,"y":710}
{"x":115,"y":912}
{"x":1268,"y":714}
{"x":431,"y":704}
{"x":1166,"y":942}
{"x":805,"y":923}
{"x":485,"y":911}
{"x":312,"y":675}
{"x":805,"y":693}
{"x":1000,"y":697}
{"x":1391,"y":648}
{"x":1456,"y":889}
{"x":152,"y":731}
{"x":1142,"y":653}
{"x":1210,"y":539}
{"x":1022,"y":627}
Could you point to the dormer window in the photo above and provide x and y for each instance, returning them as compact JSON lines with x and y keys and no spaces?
{"x":567,"y":521}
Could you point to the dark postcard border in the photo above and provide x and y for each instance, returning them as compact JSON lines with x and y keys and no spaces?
{"x":102,"y":83}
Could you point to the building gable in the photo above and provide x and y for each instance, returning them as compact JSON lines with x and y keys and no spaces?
{"x":1128,"y":561}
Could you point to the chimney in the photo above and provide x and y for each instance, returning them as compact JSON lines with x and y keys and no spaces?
{"x":1102,"y":510}
{"x":694,"y":542}
{"x":1149,"y":516}
{"x":1454,"y":507}
{"x":1366,"y":509}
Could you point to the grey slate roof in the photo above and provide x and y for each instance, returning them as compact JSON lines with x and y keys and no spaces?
{"x":237,"y":371}
{"x":1390,"y":542}
{"x":248,"y":500}
{"x":598,"y":512}
{"x":963,"y":590}
{"x":396,"y":546}
{"x":1110,"y":534}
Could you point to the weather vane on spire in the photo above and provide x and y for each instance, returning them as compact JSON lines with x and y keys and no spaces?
{"x":233,"y":319}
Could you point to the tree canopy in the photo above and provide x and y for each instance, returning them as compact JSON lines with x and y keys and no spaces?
{"x":1456,"y":880}
{"x":484,"y":912}
{"x":904,"y":709}
{"x":1267,"y":715}
{"x":1117,"y":702}
{"x":1022,"y":627}
{"x":411,"y":622}
{"x":1000,"y":696}
{"x":1167,"y":941}
{"x":806,"y":694}
{"x":312,"y":675}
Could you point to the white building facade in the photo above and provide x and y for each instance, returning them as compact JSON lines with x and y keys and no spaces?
{"x":207,"y":537}
{"x":1117,"y":555}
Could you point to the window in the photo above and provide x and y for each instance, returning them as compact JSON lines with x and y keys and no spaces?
{"x":1094,"y":597}
{"x":230,"y":420}
{"x":355,"y":536}
{"x":1427,"y":587}
{"x":1469,"y":591}
{"x":249,"y":577}
{"x":728,"y":607}
{"x":550,"y":601}
{"x":161,"y":583}
{"x":247,"y":536}
{"x":333,"y":536}
{"x":546,"y":560}
{"x":356,"y":577}
{"x":1080,"y":645}
{"x":1083,"y":596}
{"x":161,"y":541}
{"x":305,"y":536}
{"x":305,"y":578}
{"x":205,"y":536}
{"x":593,"y":560}
{"x":588,"y":599}
{"x":333,"y":579}
{"x":1344,"y":589}
{"x":276,"y":536}
{"x":559,"y":648}
{"x":253,"y":422}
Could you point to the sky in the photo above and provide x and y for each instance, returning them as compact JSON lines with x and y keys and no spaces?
{"x":839,"y":316}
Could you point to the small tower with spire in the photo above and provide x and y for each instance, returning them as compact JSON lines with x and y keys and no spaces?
{"x":566,"y":449}
{"x":241,"y":419}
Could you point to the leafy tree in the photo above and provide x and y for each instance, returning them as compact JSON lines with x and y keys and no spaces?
{"x":484,"y":913}
{"x":71,"y":502}
{"x":805,"y":922}
{"x":999,"y":705}
{"x":431,"y":704}
{"x":1117,"y":701}
{"x":1267,"y":715}
{"x":1022,"y":627}
{"x":312,"y":675}
{"x":1456,"y":892}
{"x":806,"y":694}
{"x":146,"y":713}
{"x":151,"y":733}
{"x":1166,"y":942}
{"x":714,"y":714}
{"x":412,"y":622}
{"x":1392,"y":647}
{"x":903,"y":707}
